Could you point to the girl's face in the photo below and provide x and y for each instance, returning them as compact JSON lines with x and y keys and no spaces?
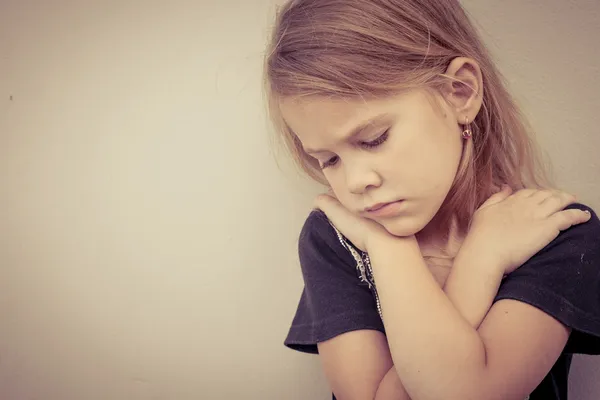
{"x":405,"y":148}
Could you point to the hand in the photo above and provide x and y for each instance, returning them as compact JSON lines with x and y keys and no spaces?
{"x":355,"y":228}
{"x":508,"y":229}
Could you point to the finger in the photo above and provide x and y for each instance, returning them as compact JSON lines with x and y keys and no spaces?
{"x":335,"y":211}
{"x":498,"y":197}
{"x":567,"y":218}
{"x":525,"y":192}
{"x":540,"y":195}
{"x":324,"y":200}
{"x":331,"y":193}
{"x":556,"y":202}
{"x":348,"y":224}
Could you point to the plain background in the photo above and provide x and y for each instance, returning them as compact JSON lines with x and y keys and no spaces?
{"x":147,"y":237}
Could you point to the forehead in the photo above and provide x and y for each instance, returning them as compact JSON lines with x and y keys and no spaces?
{"x":317,"y":118}
{"x":324,"y":121}
{"x":321,"y":111}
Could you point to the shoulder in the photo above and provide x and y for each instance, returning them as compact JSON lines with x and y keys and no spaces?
{"x":334,"y":300}
{"x":579,"y":237}
{"x":573,"y":250}
{"x":563,"y":279}
{"x":319,"y":243}
{"x":316,"y":225}
{"x":577,"y":247}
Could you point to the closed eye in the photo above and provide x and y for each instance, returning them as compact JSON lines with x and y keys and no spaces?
{"x":329,"y":163}
{"x":369,"y":145}
{"x":380,"y":140}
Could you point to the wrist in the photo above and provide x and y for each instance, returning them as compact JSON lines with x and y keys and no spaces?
{"x":473,"y":283}
{"x":473,"y":267}
{"x":480,"y":258}
{"x":383,"y":237}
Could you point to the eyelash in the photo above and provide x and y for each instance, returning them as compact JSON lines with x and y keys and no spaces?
{"x":369,"y":145}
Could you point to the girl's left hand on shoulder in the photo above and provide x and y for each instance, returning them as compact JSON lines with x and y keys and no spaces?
{"x":357,"y":229}
{"x":512,"y":227}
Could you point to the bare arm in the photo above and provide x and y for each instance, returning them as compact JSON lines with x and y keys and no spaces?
{"x":369,"y":362}
{"x":469,"y":364}
{"x":471,"y":287}
{"x":439,"y":346}
{"x":473,"y":284}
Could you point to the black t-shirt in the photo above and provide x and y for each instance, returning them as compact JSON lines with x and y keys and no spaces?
{"x":562,"y":279}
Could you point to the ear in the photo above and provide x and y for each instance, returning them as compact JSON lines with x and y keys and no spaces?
{"x":464,"y":89}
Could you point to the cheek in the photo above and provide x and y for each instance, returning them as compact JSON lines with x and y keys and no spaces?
{"x":428,"y":163}
{"x":443,"y":151}
{"x":337,"y":186}
{"x":340,"y":191}
{"x":445,"y":165}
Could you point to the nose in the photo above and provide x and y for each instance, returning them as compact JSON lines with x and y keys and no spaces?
{"x":359,"y":177}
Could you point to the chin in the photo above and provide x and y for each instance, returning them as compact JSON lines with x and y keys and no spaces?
{"x":403,"y":226}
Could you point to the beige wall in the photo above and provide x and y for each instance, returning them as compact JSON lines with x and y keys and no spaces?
{"x":148,"y":241}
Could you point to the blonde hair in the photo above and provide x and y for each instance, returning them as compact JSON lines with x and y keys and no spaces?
{"x":377,"y":48}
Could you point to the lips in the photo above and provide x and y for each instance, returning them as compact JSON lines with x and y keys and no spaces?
{"x":377,"y":206}
{"x":386,"y":210}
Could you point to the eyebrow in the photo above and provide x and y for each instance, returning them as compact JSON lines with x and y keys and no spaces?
{"x":371,"y":123}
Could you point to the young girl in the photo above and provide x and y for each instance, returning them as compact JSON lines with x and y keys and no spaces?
{"x":440,"y":265}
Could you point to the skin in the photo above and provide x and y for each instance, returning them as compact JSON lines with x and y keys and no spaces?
{"x":417,"y":163}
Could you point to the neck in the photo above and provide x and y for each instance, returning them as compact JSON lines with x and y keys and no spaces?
{"x":440,"y":238}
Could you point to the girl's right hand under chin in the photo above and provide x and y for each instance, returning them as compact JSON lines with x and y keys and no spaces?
{"x":509,"y":228}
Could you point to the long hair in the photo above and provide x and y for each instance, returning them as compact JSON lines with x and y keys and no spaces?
{"x":361,"y":49}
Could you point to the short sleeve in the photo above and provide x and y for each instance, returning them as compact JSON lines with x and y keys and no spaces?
{"x":334,"y":299}
{"x":563,"y":280}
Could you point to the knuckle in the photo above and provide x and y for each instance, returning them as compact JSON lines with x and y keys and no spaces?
{"x":567,"y":195}
{"x":570,"y":216}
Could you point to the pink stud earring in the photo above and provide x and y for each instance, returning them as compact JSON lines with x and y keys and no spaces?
{"x":467,"y":132}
